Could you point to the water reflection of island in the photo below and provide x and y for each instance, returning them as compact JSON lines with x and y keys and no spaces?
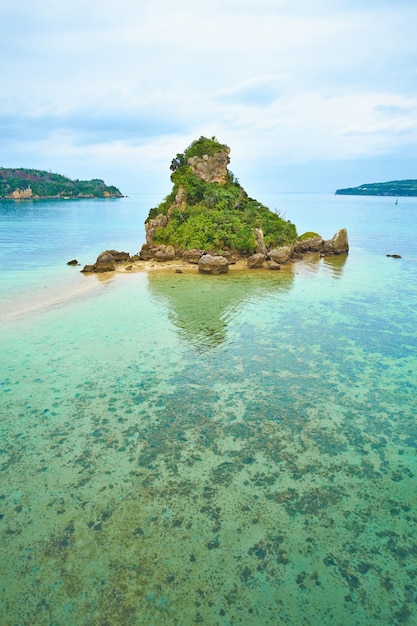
{"x":203,"y":307}
{"x":335,"y":264}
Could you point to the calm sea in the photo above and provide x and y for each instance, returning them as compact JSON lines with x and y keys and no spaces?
{"x":230,"y":450}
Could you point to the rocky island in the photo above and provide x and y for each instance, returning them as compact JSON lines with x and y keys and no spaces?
{"x":208,"y":220}
{"x":28,"y":184}
{"x":391,"y":188}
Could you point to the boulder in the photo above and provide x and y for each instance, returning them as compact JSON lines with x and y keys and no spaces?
{"x":87,"y":268}
{"x":338,"y":244}
{"x":256,"y":260}
{"x":272,"y":265}
{"x":209,"y":264}
{"x":73,"y":262}
{"x":281,"y":254}
{"x":105,"y":262}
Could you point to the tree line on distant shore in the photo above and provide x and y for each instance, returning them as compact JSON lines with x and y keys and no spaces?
{"x":31,"y":183}
{"x":391,"y":188}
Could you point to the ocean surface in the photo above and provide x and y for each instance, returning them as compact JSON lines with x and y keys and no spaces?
{"x":179,"y":449}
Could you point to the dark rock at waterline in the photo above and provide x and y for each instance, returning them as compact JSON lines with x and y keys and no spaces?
{"x":73,"y":262}
{"x":209,"y":264}
{"x":395,"y":256}
{"x":338,"y":244}
{"x":106,"y":261}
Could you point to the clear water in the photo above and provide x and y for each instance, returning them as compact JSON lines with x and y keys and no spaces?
{"x":181,"y":449}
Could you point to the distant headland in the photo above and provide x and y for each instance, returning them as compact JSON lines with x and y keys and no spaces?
{"x":208,"y":220}
{"x":28,"y":184}
{"x":391,"y":188}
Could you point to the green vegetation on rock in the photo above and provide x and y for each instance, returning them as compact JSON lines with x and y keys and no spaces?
{"x":308,"y":235}
{"x":391,"y":188}
{"x":208,"y":209}
{"x":28,"y":183}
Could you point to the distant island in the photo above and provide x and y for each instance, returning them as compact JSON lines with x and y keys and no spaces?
{"x":25,"y":184}
{"x":391,"y":188}
{"x":208,"y":220}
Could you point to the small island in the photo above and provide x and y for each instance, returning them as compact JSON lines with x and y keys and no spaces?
{"x":208,"y":220}
{"x":391,"y":188}
{"x":29,"y":184}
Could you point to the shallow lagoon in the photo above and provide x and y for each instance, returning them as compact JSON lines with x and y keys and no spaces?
{"x":240,"y":449}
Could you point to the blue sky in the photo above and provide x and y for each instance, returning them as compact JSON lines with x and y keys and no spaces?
{"x":310,"y":96}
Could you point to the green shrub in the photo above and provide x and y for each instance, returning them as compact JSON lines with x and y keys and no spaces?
{"x":308,"y":235}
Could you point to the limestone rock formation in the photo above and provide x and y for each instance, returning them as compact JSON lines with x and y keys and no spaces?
{"x":152,"y":225}
{"x":208,"y":209}
{"x":211,"y":168}
{"x":338,"y":244}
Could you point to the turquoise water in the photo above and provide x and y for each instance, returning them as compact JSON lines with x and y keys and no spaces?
{"x":181,"y":449}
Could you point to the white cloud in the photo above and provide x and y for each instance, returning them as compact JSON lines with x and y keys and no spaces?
{"x":134,"y":82}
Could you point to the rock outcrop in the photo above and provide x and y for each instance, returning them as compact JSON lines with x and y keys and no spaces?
{"x":338,"y":244}
{"x":211,"y":168}
{"x":160,"y":221}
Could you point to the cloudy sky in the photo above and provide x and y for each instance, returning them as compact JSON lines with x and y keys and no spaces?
{"x":310,"y":96}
